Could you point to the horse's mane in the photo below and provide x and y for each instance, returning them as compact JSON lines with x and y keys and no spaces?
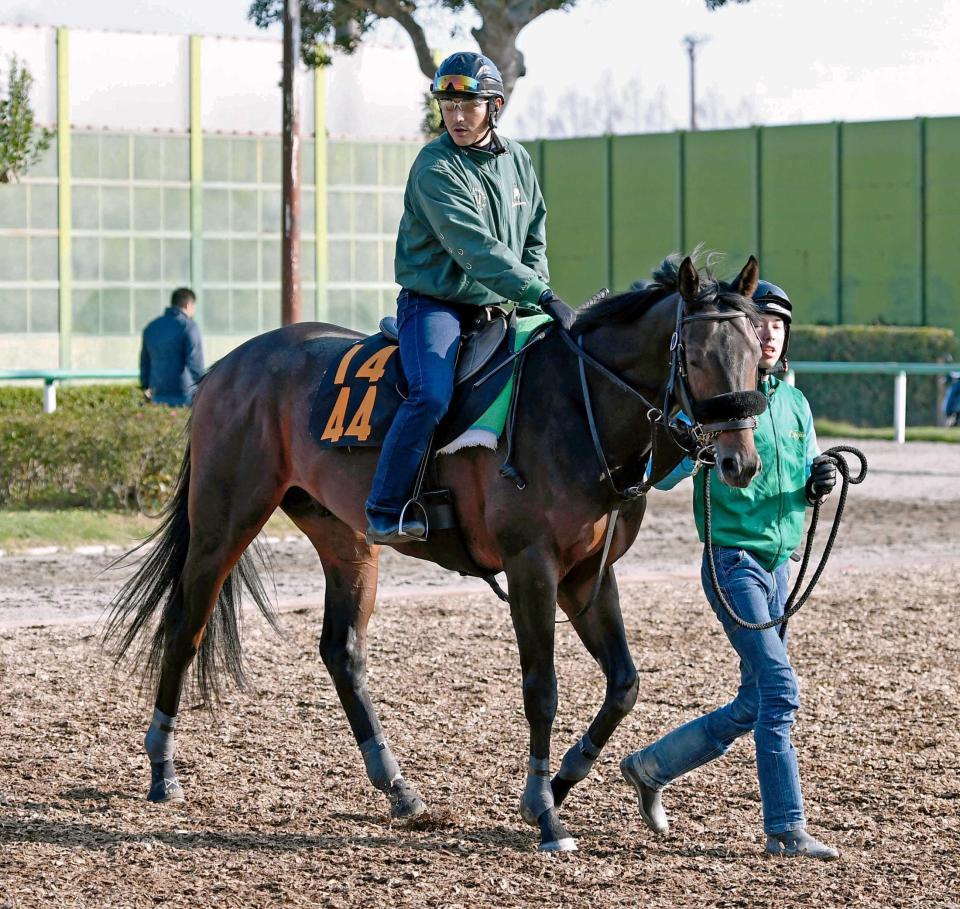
{"x":643,"y":295}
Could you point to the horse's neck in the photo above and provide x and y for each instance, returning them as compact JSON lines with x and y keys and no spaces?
{"x":639,"y":353}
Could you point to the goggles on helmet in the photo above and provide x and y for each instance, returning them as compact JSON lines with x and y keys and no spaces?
{"x":465,"y":84}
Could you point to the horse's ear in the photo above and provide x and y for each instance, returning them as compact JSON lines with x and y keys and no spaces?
{"x":688,"y":280}
{"x":748,"y":278}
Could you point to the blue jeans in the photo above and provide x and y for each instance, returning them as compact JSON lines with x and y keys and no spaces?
{"x":766,"y":702}
{"x":429,"y":332}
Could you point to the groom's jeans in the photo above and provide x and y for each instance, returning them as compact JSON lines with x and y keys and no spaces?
{"x":766,"y":701}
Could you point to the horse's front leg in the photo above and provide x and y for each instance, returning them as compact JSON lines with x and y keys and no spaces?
{"x":601,"y":630}
{"x":533,"y":605}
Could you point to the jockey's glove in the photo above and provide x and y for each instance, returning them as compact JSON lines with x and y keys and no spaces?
{"x":559,"y":311}
{"x":822,"y":479}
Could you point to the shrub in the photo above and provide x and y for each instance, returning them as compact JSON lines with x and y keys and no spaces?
{"x":867,"y":400}
{"x":102,"y":448}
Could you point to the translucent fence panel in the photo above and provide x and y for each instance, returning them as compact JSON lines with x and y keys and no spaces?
{"x":364,"y":207}
{"x":130,"y":226}
{"x":29,"y":273}
{"x":241,"y":201}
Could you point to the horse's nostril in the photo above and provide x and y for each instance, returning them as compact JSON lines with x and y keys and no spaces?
{"x":728,"y":465}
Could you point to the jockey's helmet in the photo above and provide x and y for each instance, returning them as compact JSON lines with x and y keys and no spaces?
{"x":466,"y":74}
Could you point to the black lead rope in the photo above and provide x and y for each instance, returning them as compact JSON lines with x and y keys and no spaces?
{"x":794,"y":602}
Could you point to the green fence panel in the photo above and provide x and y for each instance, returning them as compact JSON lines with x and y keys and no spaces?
{"x":576,"y":192}
{"x":942,"y":205}
{"x":645,"y":204}
{"x":720,"y":194}
{"x":880,"y":232}
{"x":534,"y":148}
{"x":798,"y":218}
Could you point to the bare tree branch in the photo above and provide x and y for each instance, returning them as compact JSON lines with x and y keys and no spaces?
{"x":345,"y":23}
{"x":402,"y":13}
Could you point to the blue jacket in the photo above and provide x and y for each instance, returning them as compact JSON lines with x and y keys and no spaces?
{"x":171,"y":358}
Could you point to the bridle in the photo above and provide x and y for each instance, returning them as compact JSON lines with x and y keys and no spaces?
{"x":703,"y":434}
{"x":695,"y":439}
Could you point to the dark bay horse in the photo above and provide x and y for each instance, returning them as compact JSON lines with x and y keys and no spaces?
{"x":250,"y":452}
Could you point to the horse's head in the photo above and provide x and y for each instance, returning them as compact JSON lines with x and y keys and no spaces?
{"x":716,"y":370}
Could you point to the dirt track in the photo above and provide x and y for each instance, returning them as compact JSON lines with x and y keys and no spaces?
{"x":279,"y":811}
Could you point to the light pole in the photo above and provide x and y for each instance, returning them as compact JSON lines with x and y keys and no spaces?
{"x":692,"y":42}
{"x":290,"y":231}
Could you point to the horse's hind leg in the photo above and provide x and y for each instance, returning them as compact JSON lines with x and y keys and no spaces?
{"x":601,"y":630}
{"x":218,"y":539}
{"x":350,"y":568}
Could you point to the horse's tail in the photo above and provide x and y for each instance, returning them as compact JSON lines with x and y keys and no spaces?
{"x":156,"y":587}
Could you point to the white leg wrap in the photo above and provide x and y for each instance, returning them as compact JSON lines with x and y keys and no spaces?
{"x":537,"y":794}
{"x":159,"y":740}
{"x":382,"y":767}
{"x":578,"y":760}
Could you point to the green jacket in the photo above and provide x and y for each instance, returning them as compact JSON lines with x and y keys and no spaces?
{"x":474,"y":226}
{"x":767,"y":517}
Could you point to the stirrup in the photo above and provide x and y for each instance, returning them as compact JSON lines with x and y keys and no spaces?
{"x":426,"y":520}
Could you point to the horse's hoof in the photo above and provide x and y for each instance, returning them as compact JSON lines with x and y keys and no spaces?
{"x":566,"y":844}
{"x":405,"y":801}
{"x":164,"y":785}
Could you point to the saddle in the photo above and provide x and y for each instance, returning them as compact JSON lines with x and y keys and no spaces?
{"x":360,"y":393}
{"x":484,"y":336}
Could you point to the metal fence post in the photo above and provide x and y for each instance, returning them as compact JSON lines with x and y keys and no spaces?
{"x":900,"y":407}
{"x":49,"y":395}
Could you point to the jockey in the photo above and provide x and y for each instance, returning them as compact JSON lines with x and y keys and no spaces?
{"x":754,"y":532}
{"x":473,"y":234}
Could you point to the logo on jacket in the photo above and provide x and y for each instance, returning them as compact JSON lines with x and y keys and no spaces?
{"x":480,"y":198}
{"x":517,"y":198}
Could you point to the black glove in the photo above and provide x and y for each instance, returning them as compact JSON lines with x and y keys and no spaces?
{"x":559,"y":311}
{"x":822,"y":479}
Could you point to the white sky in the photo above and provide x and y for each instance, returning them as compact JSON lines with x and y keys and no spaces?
{"x":770,"y":61}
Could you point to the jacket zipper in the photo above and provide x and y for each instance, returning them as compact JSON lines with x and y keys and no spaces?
{"x":776,"y":445}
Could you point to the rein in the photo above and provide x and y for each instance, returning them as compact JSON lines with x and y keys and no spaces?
{"x":794,"y":602}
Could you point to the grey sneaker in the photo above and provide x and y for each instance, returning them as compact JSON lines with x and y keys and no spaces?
{"x":648,"y":800}
{"x":795,"y":843}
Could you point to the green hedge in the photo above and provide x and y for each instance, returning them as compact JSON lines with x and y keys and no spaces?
{"x":102,"y":448}
{"x":866,"y":400}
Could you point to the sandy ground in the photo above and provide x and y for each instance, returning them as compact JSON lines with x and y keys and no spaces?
{"x":279,"y":811}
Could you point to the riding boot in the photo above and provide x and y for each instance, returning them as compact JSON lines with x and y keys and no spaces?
{"x":794,"y":843}
{"x":385,"y":528}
